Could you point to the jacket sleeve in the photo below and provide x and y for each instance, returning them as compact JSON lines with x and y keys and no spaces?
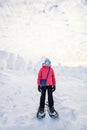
{"x":39,"y":77}
{"x":53,"y":78}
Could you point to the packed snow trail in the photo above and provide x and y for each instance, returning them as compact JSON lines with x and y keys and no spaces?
{"x":19,"y":100}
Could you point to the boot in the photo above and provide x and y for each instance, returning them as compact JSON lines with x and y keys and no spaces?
{"x":52,"y":112}
{"x":40,"y":113}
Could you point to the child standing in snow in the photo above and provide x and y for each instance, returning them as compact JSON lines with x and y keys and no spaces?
{"x":46,"y":81}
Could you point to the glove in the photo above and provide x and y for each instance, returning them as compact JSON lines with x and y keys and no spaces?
{"x":53,"y":88}
{"x":39,"y":88}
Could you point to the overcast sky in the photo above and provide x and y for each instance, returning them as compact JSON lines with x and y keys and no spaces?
{"x":59,"y":33}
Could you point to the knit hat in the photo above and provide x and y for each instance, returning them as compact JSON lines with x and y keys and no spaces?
{"x":47,"y":62}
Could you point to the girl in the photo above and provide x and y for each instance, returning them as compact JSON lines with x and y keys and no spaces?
{"x":46,"y":81}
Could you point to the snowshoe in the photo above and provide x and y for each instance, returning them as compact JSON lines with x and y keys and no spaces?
{"x":40,"y":113}
{"x":53,"y":113}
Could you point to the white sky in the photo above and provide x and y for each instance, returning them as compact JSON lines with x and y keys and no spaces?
{"x":61,"y":37}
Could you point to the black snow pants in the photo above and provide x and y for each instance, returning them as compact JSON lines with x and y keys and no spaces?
{"x":43,"y":97}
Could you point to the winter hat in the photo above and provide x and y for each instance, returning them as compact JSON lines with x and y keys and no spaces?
{"x":47,"y":62}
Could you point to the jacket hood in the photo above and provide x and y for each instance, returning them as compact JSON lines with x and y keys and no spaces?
{"x":45,"y":66}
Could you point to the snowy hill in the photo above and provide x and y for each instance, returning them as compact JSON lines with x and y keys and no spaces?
{"x":27,"y":26}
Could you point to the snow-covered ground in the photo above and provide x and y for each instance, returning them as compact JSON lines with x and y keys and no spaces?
{"x":19,"y":100}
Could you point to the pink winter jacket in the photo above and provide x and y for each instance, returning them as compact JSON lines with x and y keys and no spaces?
{"x":43,"y":73}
